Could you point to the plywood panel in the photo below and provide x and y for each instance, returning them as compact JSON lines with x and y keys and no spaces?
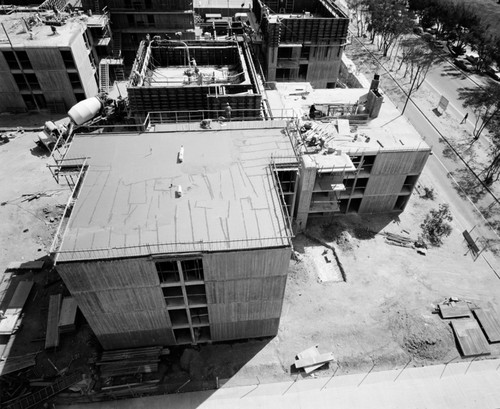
{"x":113,"y":274}
{"x":55,"y":80}
{"x":235,"y":312}
{"x":378,"y":204}
{"x":109,"y":301}
{"x":410,"y":162}
{"x":385,"y":184}
{"x":470,"y":337}
{"x":246,"y":290}
{"x":246,"y":264}
{"x":488,"y":319}
{"x":244,"y":329}
{"x":129,"y":329}
{"x":45,"y":59}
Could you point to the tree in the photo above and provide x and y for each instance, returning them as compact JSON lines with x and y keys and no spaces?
{"x":389,"y":19}
{"x":358,"y":11}
{"x":418,"y":57}
{"x":435,"y":226}
{"x":491,"y":173}
{"x":485,"y":102}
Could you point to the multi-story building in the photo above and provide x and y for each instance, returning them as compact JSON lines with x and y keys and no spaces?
{"x":301,"y":40}
{"x":357,"y":155}
{"x":48,"y":59}
{"x":181,"y":235}
{"x":176,"y":236}
{"x":134,"y":20}
{"x":196,"y":79}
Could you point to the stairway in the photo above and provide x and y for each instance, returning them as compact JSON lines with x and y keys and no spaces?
{"x":97,"y":8}
{"x":117,"y":45}
{"x":104,"y":75}
{"x":119,"y":73}
{"x":38,"y":397}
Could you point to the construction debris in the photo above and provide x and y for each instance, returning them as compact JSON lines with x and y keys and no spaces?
{"x":311,"y":359}
{"x":129,"y":361}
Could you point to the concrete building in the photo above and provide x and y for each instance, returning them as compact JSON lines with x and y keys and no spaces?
{"x":177,"y":236}
{"x":301,"y":40}
{"x":358,"y":155}
{"x":133,"y":20}
{"x":48,"y":60}
{"x":196,"y":79}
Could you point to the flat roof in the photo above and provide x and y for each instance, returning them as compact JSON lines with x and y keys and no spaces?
{"x":41,"y":35}
{"x":127,"y":205}
{"x":389,"y":131}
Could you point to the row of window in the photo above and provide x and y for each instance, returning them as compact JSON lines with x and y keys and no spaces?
{"x":19,"y":59}
{"x":169,"y":271}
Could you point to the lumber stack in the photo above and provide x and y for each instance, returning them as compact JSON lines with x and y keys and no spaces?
{"x":398,"y":240}
{"x":128,"y":390}
{"x":129,"y":361}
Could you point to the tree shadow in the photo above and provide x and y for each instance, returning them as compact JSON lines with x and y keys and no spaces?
{"x":468,"y":185}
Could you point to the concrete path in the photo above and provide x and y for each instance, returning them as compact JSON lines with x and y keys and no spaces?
{"x":458,"y":385}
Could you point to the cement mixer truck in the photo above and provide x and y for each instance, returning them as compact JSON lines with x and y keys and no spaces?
{"x":84,"y":113}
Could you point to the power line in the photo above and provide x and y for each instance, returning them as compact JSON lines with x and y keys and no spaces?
{"x":379,"y":63}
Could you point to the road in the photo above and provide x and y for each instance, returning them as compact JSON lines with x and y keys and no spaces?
{"x":446,"y":79}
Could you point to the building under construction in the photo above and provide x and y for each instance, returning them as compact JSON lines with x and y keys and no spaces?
{"x":177,"y":237}
{"x":181,"y":234}
{"x":302,"y":40}
{"x":49,"y":59}
{"x":190,"y":76}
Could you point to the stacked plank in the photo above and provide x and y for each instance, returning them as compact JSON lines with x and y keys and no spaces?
{"x":398,"y":240}
{"x":128,"y":390}
{"x":129,"y":361}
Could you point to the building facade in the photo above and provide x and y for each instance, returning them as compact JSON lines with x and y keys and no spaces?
{"x":48,"y":60}
{"x":302,"y":41}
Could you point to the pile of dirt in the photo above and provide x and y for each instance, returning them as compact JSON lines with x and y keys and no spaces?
{"x":424,"y":338}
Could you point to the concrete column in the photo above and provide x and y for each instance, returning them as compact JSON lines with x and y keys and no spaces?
{"x":305,"y":189}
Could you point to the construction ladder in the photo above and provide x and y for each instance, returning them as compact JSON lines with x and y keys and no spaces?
{"x":45,"y":393}
{"x":104,"y":75}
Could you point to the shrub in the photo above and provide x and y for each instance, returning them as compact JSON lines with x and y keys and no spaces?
{"x":435,"y":226}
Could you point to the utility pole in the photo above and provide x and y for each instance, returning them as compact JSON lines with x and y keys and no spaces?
{"x":409,"y":93}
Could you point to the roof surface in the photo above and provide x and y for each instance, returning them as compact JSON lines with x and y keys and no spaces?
{"x":127,"y":205}
{"x":389,"y":131}
{"x":42,"y":35}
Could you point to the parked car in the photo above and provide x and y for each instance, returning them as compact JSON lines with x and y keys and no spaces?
{"x":463,"y":64}
{"x":493,"y":73}
{"x":471,"y":58}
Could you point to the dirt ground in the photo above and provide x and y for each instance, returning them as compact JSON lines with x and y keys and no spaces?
{"x":373,"y":308}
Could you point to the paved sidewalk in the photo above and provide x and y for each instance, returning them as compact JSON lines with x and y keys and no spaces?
{"x":459,"y":385}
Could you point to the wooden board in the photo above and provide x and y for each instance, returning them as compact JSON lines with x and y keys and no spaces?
{"x":8,"y":324}
{"x":13,"y":364}
{"x":52,"y":335}
{"x":68,"y":314}
{"x":470,"y":338}
{"x":455,"y":310}
{"x":310,"y":352}
{"x":27,"y":265}
{"x":489,"y":322}
{"x":15,"y":307}
{"x":20,"y":295}
{"x":314,"y":360}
